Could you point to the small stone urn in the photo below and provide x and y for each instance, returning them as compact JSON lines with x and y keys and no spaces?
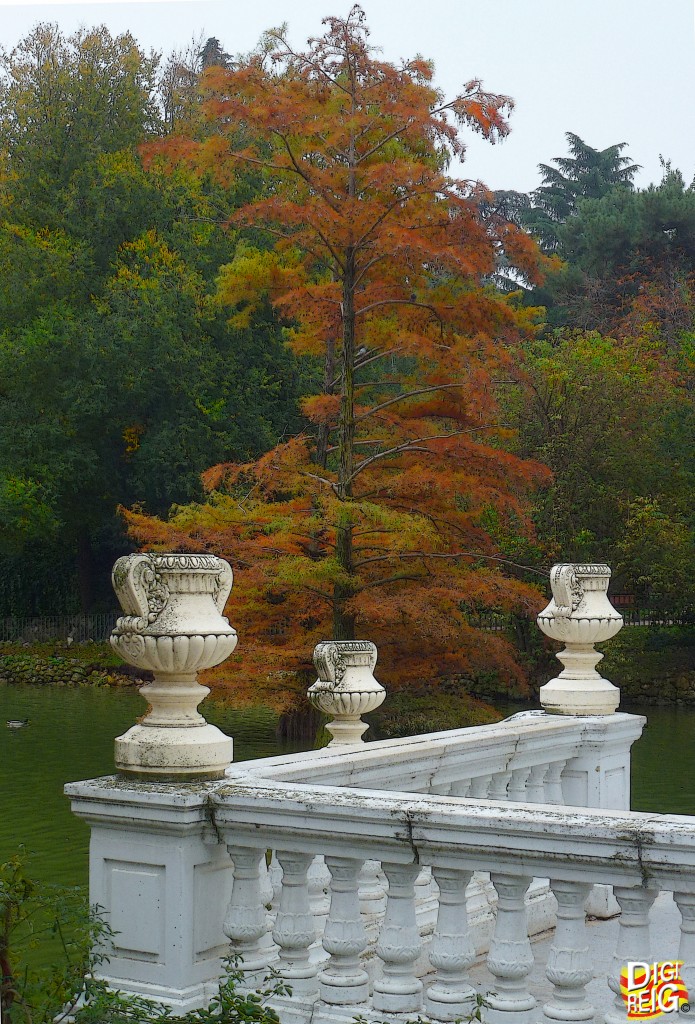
{"x":346,"y":687}
{"x":174,"y":626}
{"x":580,"y":615}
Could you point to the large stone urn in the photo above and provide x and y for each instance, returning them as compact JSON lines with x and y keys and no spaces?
{"x":174,"y":626}
{"x":346,"y":687}
{"x":580,"y":615}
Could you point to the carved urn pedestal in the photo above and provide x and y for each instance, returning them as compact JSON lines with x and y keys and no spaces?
{"x":346,"y":687}
{"x":580,"y":615}
{"x":174,"y":626}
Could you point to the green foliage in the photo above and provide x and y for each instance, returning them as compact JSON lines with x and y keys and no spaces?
{"x":656,"y":552}
{"x":65,"y":99}
{"x":32,"y":913}
{"x":55,"y":669}
{"x":121,"y":378}
{"x":412,"y":712}
{"x":29,"y":912}
{"x":229,"y":1006}
{"x":612,"y":424}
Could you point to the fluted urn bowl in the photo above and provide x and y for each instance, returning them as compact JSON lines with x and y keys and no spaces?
{"x":346,"y":687}
{"x":580,"y":612}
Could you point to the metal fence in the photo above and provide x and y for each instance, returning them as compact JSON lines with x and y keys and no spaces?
{"x":633,"y":615}
{"x":98,"y":627}
{"x":41,"y":628}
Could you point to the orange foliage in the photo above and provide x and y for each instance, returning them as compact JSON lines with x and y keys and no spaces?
{"x":378,"y":521}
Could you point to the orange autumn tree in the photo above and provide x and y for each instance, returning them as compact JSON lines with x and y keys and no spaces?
{"x":384,"y":519}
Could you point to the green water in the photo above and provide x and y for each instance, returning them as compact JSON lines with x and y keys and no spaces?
{"x":663,"y":761}
{"x":70,"y":736}
{"x":663,"y":758}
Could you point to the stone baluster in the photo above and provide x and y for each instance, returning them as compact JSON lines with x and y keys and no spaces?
{"x":266,"y":882}
{"x":450,"y":996}
{"x":499,"y":784}
{"x":399,"y":991}
{"x":246,"y":923}
{"x":517,"y":785}
{"x":685,"y":901}
{"x":480,"y":787}
{"x":535,"y":785}
{"x":569,"y":967}
{"x":461,"y":788}
{"x":294,"y":930}
{"x":319,"y":883}
{"x":440,"y":789}
{"x":553,"y":783}
{"x":510,"y":958}
{"x":372,"y":891}
{"x":343,"y":981}
{"x":423,"y":886}
{"x":633,"y":941}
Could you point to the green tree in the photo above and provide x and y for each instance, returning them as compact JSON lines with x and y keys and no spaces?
{"x":587,"y":173}
{"x":614,"y":422}
{"x":63,"y":101}
{"x":630,"y":263}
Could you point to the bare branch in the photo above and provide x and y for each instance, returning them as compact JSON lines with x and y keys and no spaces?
{"x":407,"y":394}
{"x":321,"y":480}
{"x":450,"y":556}
{"x":412,"y":445}
{"x":402,"y":302}
{"x":394,"y":579}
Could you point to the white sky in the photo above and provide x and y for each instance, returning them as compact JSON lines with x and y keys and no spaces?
{"x":608,"y":70}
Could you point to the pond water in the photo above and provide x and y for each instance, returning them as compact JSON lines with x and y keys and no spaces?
{"x":70,"y":736}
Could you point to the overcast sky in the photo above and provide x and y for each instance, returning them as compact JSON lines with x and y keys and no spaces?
{"x":608,"y":70}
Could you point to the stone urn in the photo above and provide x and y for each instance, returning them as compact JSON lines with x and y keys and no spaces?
{"x":346,"y":687}
{"x":174,"y":626}
{"x":580,"y":615}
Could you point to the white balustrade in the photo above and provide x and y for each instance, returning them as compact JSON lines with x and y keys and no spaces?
{"x":399,"y":990}
{"x":510,"y":958}
{"x":294,"y":930}
{"x":569,"y":965}
{"x":379,"y":899}
{"x":344,"y":980}
{"x":450,"y":996}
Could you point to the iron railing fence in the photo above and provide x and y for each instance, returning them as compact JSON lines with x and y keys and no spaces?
{"x":70,"y":628}
{"x":633,"y":614}
{"x":98,"y":626}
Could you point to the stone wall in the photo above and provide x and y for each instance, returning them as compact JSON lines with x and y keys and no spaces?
{"x":58,"y":670}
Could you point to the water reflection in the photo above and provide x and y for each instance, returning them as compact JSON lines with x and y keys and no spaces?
{"x":70,"y":736}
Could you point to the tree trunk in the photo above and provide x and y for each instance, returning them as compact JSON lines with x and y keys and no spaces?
{"x":344,"y":623}
{"x":324,"y":432}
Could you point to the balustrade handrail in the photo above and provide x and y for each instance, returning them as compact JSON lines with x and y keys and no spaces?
{"x":411,"y":763}
{"x":616,"y":847}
